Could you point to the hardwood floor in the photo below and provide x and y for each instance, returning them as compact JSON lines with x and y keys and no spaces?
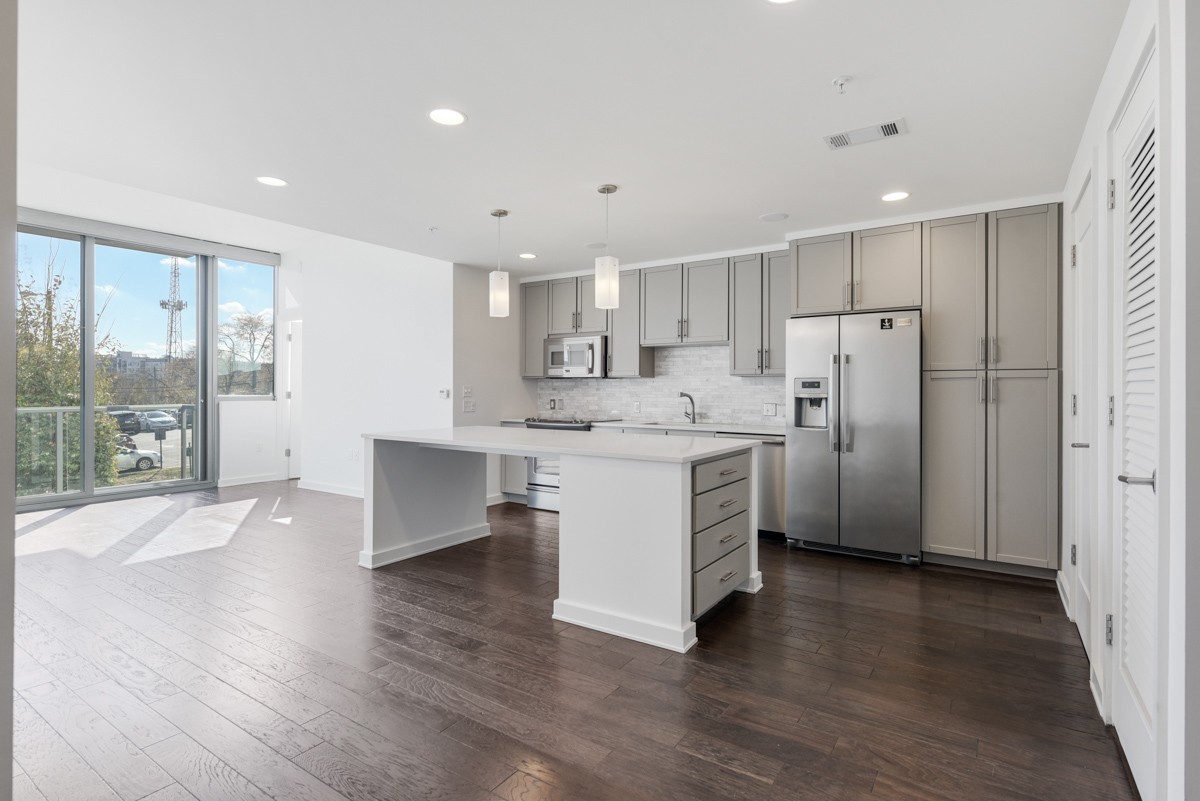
{"x":225,"y":645}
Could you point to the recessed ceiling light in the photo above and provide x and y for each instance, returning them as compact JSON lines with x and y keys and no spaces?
{"x":596,"y":245}
{"x":528,"y":255}
{"x":269,"y":181}
{"x":773,"y":216}
{"x":891,"y":197}
{"x":780,"y":2}
{"x":447,"y":116}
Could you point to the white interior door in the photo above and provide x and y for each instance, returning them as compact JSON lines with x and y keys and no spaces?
{"x":1138,"y":568}
{"x":1081,"y":427}
{"x":293,"y":395}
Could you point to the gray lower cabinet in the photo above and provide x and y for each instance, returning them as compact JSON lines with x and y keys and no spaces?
{"x":821,"y":274}
{"x":954,"y":276}
{"x":1022,"y":446}
{"x":626,"y":356}
{"x":686,"y":304}
{"x":721,"y":529}
{"x":990,"y":465}
{"x":759,"y":305}
{"x":887,"y":268}
{"x":572,"y":307}
{"x":535,"y":328}
{"x":1022,"y":292}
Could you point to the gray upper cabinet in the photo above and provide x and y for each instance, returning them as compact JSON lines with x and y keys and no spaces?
{"x":573,"y":307}
{"x":662,"y":305}
{"x":535,"y":306}
{"x":953,"y":467}
{"x":685,"y":304}
{"x":954,"y":312}
{"x":821,"y":273}
{"x":759,"y":305}
{"x":887,"y":267}
{"x":626,"y":356}
{"x":1023,"y":274}
{"x":1022,"y":457}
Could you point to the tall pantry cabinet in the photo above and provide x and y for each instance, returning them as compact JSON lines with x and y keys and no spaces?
{"x":991,"y":386}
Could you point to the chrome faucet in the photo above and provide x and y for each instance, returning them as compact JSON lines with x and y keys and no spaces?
{"x":691,"y":416}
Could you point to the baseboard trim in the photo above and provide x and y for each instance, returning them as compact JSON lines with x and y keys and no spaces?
{"x":495,"y":500}
{"x":751,"y":585}
{"x":334,"y":489}
{"x":410,"y":549}
{"x":1112,"y":732}
{"x":237,"y":481}
{"x":1064,"y":596}
{"x":1025,"y":571}
{"x":678,"y":640}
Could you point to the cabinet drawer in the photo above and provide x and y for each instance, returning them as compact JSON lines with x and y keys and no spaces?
{"x":713,"y":543}
{"x":711,"y":475}
{"x":720,"y":504}
{"x":719,"y":579}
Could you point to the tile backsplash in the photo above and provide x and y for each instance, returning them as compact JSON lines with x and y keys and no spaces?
{"x":703,"y":372}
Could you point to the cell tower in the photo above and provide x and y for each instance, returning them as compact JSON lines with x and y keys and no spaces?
{"x":174,"y":306}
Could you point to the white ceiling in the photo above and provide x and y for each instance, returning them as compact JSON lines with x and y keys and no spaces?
{"x":707,"y":113}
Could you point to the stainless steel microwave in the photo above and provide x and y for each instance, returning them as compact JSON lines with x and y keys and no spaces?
{"x":575,"y":357}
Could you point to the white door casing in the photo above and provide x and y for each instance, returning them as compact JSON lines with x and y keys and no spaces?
{"x":1137,"y":567}
{"x":293,"y":396}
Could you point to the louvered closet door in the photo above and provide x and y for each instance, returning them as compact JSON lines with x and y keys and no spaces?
{"x":1137,"y":646}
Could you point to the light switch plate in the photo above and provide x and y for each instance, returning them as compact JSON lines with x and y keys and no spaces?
{"x":468,"y":405}
{"x":770,"y":409}
{"x":637,"y":407}
{"x":443,"y":393}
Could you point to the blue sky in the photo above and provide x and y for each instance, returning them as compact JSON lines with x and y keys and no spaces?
{"x":130,"y":284}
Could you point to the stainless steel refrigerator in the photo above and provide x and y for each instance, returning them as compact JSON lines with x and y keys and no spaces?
{"x":854,"y":433}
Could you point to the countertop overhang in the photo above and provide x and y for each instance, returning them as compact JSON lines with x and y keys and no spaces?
{"x":550,"y":442}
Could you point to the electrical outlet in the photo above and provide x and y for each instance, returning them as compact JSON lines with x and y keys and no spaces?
{"x":468,"y":405}
{"x":468,"y":390}
{"x":553,"y":404}
{"x":444,"y":393}
{"x":637,"y":407}
{"x":769,"y":409}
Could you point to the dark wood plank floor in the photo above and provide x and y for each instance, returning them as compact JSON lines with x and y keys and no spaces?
{"x":225,"y":645}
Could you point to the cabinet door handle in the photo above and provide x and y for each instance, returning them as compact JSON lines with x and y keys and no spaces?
{"x":983,"y":350}
{"x":729,"y":502}
{"x":992,"y":390}
{"x":726,"y":538}
{"x":728,"y":472}
{"x":1151,"y":482}
{"x":760,"y":358}
{"x":995,"y":351}
{"x":766,"y":358}
{"x":846,"y":295}
{"x":685,"y":327}
{"x":856,"y":303}
{"x":1081,"y":444}
{"x":679,"y":328}
{"x":982,"y":390}
{"x":728,"y":576}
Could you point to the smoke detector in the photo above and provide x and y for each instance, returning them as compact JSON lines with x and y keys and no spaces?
{"x":872,"y":133}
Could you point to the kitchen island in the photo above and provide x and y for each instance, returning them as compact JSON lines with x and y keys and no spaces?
{"x":640,"y":518}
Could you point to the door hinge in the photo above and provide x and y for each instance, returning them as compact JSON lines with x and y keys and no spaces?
{"x":288,"y":452}
{"x":1072,"y":554}
{"x":1112,"y":193}
{"x":288,"y":395}
{"x":1108,"y":630}
{"x":1112,"y":410}
{"x":1074,"y":404}
{"x":1074,"y":255}
{"x":1072,"y":264}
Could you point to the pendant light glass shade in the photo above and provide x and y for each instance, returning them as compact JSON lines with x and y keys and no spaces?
{"x":608,"y":268}
{"x":498,"y":293}
{"x":497,"y":278}
{"x":608,"y":282}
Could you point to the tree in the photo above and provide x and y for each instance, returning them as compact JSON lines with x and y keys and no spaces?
{"x":245,"y":348}
{"x":49,"y":350}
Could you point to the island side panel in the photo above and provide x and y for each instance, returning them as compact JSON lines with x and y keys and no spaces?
{"x":754,"y":581}
{"x":625,"y":549}
{"x":420,"y":499}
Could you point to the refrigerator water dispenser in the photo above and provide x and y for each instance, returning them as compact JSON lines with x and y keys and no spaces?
{"x":812,"y":403}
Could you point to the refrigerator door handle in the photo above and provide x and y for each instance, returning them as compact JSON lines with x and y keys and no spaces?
{"x":844,"y":402}
{"x":831,"y":403}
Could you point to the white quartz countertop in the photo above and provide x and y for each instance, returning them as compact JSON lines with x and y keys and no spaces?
{"x":723,"y":428}
{"x":548,"y":442}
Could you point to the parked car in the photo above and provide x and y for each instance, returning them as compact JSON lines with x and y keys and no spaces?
{"x":157,"y":420}
{"x":127,"y":422}
{"x":133,"y":459}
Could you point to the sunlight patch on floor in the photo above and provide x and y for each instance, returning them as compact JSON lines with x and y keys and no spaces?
{"x":199,"y":529}
{"x":87,"y":530}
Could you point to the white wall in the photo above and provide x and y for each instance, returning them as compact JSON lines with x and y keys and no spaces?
{"x":487,"y":356}
{"x":1176,"y":37}
{"x":8,"y":349}
{"x":378,"y":345}
{"x":250,"y":447}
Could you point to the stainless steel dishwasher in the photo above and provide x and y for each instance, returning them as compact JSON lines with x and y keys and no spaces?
{"x":771,"y":495}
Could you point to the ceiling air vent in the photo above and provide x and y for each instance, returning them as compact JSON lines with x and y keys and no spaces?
{"x":871,"y":133}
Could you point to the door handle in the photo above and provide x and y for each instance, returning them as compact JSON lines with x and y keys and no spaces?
{"x":1080,"y":445}
{"x":992,"y":389}
{"x":760,"y":358}
{"x":982,"y":389}
{"x":685,"y":327}
{"x":728,"y":472}
{"x":766,"y":358}
{"x":1151,"y":482}
{"x":728,"y":576}
{"x":679,"y":328}
{"x":726,"y":538}
{"x":831,"y":401}
{"x":846,"y":295}
{"x":591,"y":356}
{"x":995,"y":351}
{"x":729,"y":502}
{"x":856,"y":302}
{"x":844,"y":401}
{"x":983,"y":350}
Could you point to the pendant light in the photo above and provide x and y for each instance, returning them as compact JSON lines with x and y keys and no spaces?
{"x":608,"y":268}
{"x":497,"y":278}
